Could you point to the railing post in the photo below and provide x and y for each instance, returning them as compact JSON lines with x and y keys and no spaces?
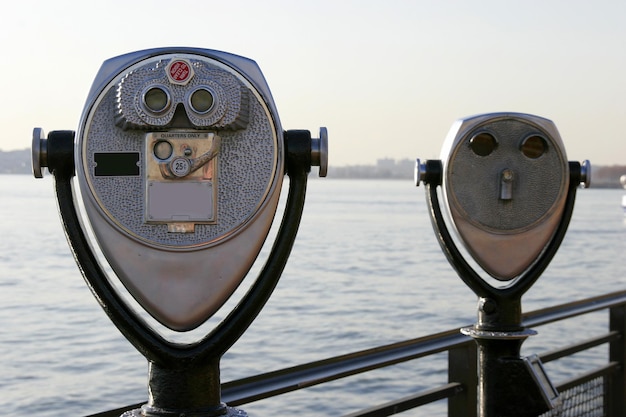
{"x":615,"y":385}
{"x":462,"y":367}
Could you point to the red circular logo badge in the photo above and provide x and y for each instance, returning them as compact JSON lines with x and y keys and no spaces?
{"x":179,"y":71}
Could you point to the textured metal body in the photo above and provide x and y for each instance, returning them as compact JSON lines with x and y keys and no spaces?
{"x":506,"y":196}
{"x":155,"y":224}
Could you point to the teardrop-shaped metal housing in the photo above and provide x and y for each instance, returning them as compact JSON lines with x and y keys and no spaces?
{"x":505,"y":182}
{"x":180,"y":201}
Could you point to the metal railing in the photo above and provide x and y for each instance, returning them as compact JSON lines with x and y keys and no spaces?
{"x":599,"y":392}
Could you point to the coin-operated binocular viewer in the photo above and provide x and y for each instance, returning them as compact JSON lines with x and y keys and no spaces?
{"x":180,"y":159}
{"x":509,"y":194}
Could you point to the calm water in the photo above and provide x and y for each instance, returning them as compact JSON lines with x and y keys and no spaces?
{"x":366,"y":270}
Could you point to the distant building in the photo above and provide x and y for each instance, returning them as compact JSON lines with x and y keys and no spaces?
{"x":15,"y":162}
{"x":385,"y":168}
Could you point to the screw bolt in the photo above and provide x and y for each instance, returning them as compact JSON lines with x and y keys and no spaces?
{"x":487,"y":305}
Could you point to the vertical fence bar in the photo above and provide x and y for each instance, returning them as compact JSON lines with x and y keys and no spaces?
{"x":463,"y":368}
{"x":615,"y":384}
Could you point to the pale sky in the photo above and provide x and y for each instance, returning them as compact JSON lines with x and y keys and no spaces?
{"x":387,"y":78}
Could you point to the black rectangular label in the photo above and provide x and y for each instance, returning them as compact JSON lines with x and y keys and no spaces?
{"x":110,"y":164}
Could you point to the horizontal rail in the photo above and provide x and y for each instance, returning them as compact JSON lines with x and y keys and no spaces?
{"x":286,"y":380}
{"x":573,"y":309}
{"x":314,"y":373}
{"x":605,"y":370}
{"x":579,"y":347}
{"x":278,"y":382}
{"x":455,"y":388}
{"x":411,"y":401}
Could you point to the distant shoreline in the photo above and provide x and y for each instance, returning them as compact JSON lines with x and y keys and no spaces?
{"x":19,"y":162}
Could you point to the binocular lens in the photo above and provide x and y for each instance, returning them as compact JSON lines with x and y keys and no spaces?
{"x":201,"y":100}
{"x":534,"y":146}
{"x":156,"y":99}
{"x":483,"y":144}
